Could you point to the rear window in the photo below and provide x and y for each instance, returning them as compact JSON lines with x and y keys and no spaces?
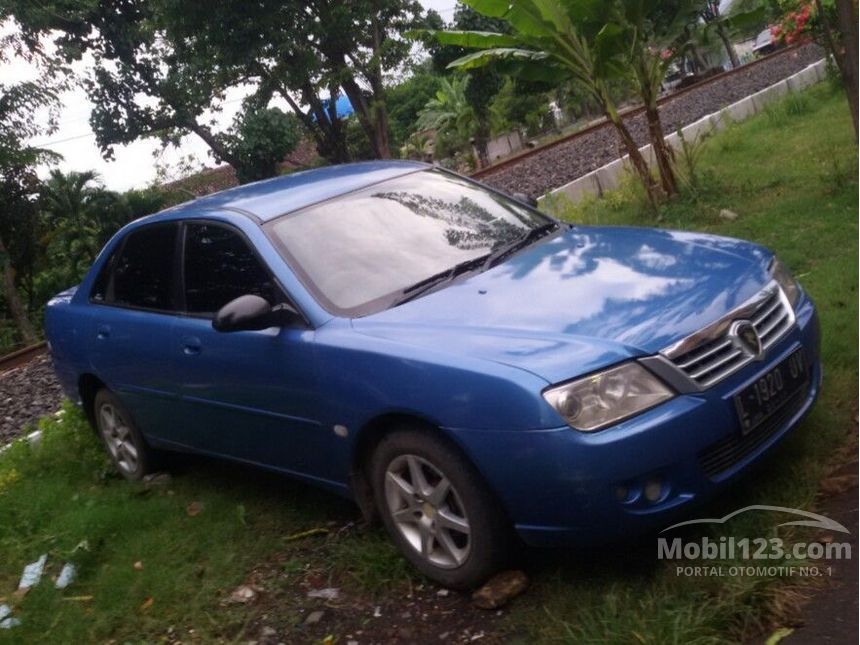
{"x":141,"y":272}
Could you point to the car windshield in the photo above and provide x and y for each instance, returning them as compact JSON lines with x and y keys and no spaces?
{"x":360,"y":252}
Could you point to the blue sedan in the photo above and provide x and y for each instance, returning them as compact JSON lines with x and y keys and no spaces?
{"x":467,"y":369}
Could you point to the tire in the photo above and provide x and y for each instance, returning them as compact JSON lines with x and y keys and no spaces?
{"x":455,"y":535}
{"x":125,"y":444}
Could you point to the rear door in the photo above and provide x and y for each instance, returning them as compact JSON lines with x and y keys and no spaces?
{"x":249,"y":395}
{"x":136,"y":305}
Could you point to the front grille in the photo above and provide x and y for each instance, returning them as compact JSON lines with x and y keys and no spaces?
{"x":713,"y":360}
{"x":722,"y":455}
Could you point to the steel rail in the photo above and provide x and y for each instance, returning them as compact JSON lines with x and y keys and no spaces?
{"x":22,"y":356}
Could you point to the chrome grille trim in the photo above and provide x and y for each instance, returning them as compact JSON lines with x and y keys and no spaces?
{"x":710,"y":355}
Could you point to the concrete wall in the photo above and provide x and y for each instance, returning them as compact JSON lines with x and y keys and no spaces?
{"x":504,"y":144}
{"x":609,"y":176}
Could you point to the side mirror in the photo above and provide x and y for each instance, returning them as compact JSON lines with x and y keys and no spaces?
{"x":525,"y":199}
{"x":250,"y":312}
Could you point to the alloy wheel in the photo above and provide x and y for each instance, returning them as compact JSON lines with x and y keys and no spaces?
{"x":118,"y":438}
{"x":427,"y":511}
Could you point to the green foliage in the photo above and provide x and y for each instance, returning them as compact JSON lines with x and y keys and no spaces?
{"x":519,"y":106}
{"x":259,"y":141}
{"x":406,"y":99}
{"x":686,"y":160}
{"x":78,"y":216}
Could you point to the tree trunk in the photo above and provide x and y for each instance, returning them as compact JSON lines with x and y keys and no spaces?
{"x":662,"y":152}
{"x":481,"y":142}
{"x":378,"y":139}
{"x":727,"y":43}
{"x":13,"y":302}
{"x":847,"y":20}
{"x":652,"y":191}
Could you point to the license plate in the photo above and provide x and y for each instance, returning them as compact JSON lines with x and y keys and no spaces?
{"x":758,"y":401}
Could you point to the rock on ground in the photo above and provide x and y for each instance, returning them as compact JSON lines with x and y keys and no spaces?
{"x":27,"y":393}
{"x":500,"y":589}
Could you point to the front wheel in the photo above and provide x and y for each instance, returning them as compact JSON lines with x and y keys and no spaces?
{"x":437,"y":509}
{"x":125,"y":444}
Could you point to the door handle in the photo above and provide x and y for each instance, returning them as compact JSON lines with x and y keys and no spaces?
{"x":191,"y":345}
{"x":102,"y":332}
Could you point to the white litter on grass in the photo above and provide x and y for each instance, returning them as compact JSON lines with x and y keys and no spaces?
{"x":329,"y":593}
{"x":6,"y":619}
{"x":67,"y":576}
{"x":9,"y":623}
{"x":33,"y":439}
{"x":33,"y":573}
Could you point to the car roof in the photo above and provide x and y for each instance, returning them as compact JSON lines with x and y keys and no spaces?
{"x":271,"y":198}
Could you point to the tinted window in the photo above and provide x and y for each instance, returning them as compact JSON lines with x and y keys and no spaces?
{"x":364,"y":247}
{"x":219,"y":266}
{"x":143,"y":271}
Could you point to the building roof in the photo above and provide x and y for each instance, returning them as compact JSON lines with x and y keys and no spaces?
{"x":271,"y":198}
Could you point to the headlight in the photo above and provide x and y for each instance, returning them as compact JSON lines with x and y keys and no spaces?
{"x":785,"y":280}
{"x":599,"y":400}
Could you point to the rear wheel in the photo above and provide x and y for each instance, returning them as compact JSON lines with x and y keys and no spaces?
{"x":125,"y":444}
{"x":437,"y":509}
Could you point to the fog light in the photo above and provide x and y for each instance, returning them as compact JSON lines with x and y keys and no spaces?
{"x":622,"y":493}
{"x":653,"y":490}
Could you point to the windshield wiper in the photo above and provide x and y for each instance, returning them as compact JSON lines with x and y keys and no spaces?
{"x":423,"y":286}
{"x":521,"y":242}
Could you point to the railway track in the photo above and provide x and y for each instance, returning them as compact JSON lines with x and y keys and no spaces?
{"x":22,"y":356}
{"x":546,"y":167}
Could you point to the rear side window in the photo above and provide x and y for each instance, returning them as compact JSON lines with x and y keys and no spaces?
{"x":142,"y":274}
{"x":219,"y":267}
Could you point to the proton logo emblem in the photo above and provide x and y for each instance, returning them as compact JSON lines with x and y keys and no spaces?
{"x":746,"y":338}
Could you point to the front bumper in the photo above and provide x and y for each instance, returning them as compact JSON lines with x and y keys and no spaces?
{"x":560,"y":486}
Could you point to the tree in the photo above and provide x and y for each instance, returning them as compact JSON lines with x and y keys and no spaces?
{"x":302,"y":50}
{"x":484,"y":83}
{"x":79,"y":218}
{"x":162,"y":66}
{"x":260,"y":139}
{"x":552,"y":41}
{"x":839,"y":35}
{"x":19,"y":105}
{"x":712,"y":17}
{"x":407,"y":98}
{"x":652,"y":33}
{"x":742,"y":19}
{"x":833,"y":24}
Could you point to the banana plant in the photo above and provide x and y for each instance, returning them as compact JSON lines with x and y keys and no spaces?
{"x":553,"y":41}
{"x":654,"y":33}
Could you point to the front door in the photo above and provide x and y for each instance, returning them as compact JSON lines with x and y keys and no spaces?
{"x":249,"y":395}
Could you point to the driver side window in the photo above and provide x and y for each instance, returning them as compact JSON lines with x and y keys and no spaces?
{"x":219,"y":267}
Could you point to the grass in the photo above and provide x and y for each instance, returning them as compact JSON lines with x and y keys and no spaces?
{"x":789,"y":174}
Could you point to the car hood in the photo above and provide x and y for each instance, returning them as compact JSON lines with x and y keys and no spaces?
{"x":583,"y":299}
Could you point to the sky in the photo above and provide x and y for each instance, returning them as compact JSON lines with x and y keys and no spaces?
{"x":134,"y":165}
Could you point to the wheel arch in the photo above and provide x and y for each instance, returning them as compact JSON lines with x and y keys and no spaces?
{"x":88,"y":386}
{"x":369,"y":436}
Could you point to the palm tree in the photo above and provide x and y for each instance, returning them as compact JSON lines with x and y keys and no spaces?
{"x":80,"y":215}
